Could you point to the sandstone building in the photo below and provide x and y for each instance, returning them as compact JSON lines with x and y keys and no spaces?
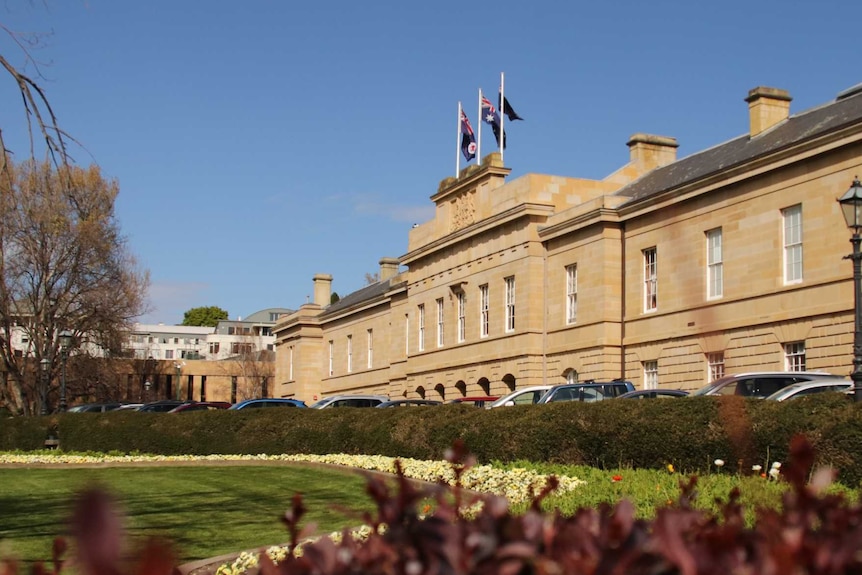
{"x":669,"y":272}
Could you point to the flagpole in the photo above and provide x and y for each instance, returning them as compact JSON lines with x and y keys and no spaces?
{"x":458,"y":144}
{"x":500,"y":111}
{"x":479,"y":132}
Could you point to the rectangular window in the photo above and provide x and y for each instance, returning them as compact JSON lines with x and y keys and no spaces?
{"x":794,"y":356}
{"x":237,"y":348}
{"x":714,"y":269}
{"x":370,"y":348}
{"x":792,"y":217}
{"x":714,"y":366}
{"x":331,"y":353}
{"x":650,"y":374}
{"x":421,"y":327}
{"x":290,"y":364}
{"x":169,"y":354}
{"x":265,"y":331}
{"x":440,"y":322}
{"x":273,"y":315}
{"x":462,"y":316}
{"x":231,"y":330}
{"x":214,"y":347}
{"x":406,"y":334}
{"x":349,"y":353}
{"x":510,"y":303}
{"x":650,"y":279}
{"x":484,"y":307}
{"x":571,"y":293}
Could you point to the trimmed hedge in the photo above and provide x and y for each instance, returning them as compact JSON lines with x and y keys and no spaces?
{"x":689,"y":432}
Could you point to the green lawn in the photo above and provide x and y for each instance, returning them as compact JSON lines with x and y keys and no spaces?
{"x":205,"y":510}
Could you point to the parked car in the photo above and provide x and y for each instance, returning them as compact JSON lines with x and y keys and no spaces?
{"x":350,"y":401}
{"x":161,"y":406}
{"x":477,"y":400}
{"x":268,"y":402}
{"x":526,"y":396}
{"x":200,"y":406}
{"x":803,"y":388}
{"x":409,"y":403}
{"x":653,"y":394}
{"x":129,"y":407}
{"x":589,"y":391}
{"x":760,"y":384}
{"x":94,"y":407}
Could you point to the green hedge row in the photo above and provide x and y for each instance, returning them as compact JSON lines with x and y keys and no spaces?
{"x":690,"y":433}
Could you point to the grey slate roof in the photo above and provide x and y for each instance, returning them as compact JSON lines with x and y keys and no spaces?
{"x":797,"y":128}
{"x":367,"y":293}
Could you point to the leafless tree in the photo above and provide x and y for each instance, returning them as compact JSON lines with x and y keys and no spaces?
{"x":63,"y":266}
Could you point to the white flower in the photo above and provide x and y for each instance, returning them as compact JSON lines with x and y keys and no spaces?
{"x":719,"y":462}
{"x":774,"y":472}
{"x":756,"y":468}
{"x":776,"y":465}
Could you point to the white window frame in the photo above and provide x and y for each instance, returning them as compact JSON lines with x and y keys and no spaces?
{"x":510,"y":303}
{"x":714,"y":366}
{"x":406,"y":334}
{"x":484,"y":310}
{"x":572,"y":293}
{"x":422,"y":327}
{"x":650,"y":256}
{"x":331,"y":357}
{"x":792,"y":240}
{"x":794,"y":356}
{"x":714,"y":264}
{"x":349,"y":353}
{"x":462,"y":316}
{"x":440,"y":318}
{"x":290,"y":364}
{"x":650,"y":374}
{"x":370,"y":350}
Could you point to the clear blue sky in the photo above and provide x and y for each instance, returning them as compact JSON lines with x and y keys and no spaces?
{"x":257,"y":143}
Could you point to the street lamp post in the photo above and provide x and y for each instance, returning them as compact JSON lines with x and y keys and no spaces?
{"x":179,"y":369}
{"x":65,"y":343}
{"x":43,"y":391}
{"x":147,"y":386}
{"x":851,"y":207}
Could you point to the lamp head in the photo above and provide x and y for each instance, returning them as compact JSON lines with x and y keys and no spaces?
{"x":851,"y":206}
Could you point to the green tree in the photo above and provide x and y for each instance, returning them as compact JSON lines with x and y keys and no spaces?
{"x":205,"y":315}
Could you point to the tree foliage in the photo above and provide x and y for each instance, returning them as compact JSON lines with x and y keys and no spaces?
{"x":63,"y":266}
{"x":204,"y":315}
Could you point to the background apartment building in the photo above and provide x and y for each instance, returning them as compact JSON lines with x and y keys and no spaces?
{"x":668,"y":272}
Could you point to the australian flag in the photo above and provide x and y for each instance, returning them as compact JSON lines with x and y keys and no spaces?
{"x":468,"y":138}
{"x":508,"y":109}
{"x":490,"y":116}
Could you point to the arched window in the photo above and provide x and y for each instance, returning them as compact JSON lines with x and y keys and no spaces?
{"x":509,"y":380}
{"x":485,"y":385}
{"x":441,"y":391}
{"x":571,"y":375}
{"x":462,"y":388}
{"x":420,"y":391}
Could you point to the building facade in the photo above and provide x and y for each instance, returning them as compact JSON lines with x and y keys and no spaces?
{"x":669,"y":272}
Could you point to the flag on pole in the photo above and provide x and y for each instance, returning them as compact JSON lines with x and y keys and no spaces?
{"x":490,"y":116}
{"x":468,"y":138}
{"x":508,"y":109}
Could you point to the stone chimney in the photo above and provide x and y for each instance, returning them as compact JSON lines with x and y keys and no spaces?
{"x":648,"y":152}
{"x":322,"y":289}
{"x":388,"y":268}
{"x":766,"y":108}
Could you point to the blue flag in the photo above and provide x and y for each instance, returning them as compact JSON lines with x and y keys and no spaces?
{"x":468,"y":138}
{"x":490,"y":116}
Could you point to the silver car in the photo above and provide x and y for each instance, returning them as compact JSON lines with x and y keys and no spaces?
{"x":350,"y":401}
{"x":804,"y":388}
{"x":762,"y":383}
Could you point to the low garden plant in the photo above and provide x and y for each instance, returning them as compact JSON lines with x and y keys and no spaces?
{"x":813,"y":531}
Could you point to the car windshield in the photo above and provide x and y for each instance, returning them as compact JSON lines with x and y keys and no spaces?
{"x":320,"y":403}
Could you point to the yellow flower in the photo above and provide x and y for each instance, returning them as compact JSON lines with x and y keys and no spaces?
{"x":670,"y":468}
